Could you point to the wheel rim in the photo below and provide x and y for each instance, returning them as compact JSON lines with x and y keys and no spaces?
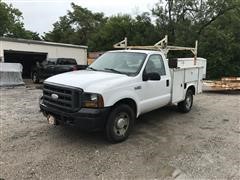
{"x":121,"y":124}
{"x":188,"y":102}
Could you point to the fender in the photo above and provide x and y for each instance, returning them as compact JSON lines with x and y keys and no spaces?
{"x":194,"y":84}
{"x":112,"y":98}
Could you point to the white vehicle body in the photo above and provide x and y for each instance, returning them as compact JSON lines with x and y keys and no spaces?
{"x":147,"y":95}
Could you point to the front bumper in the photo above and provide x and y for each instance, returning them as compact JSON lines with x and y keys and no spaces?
{"x":86,"y":118}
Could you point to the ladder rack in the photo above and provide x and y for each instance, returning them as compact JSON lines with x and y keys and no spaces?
{"x":162,"y":46}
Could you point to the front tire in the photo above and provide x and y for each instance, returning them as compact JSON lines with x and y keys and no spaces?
{"x":186,"y":105}
{"x":120,"y":123}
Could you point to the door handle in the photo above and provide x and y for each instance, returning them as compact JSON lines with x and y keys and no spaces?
{"x":138,"y":87}
{"x":167,"y":82}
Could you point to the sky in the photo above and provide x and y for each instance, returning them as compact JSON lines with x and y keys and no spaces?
{"x":39,"y":15}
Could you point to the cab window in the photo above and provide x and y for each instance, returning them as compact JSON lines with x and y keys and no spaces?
{"x":66,"y":61}
{"x":155,"y":64}
{"x":51,"y":61}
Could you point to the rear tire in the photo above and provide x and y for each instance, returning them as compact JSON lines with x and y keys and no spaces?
{"x":186,"y":105}
{"x":120,"y":123}
{"x":35,"y":78}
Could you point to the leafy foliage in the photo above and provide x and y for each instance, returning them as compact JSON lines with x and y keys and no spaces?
{"x":220,"y":44}
{"x":11,"y":24}
{"x":139,"y":32}
{"x":214,"y":23}
{"x":76,"y":27}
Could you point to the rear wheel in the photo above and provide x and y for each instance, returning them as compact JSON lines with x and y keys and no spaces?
{"x":35,"y":77}
{"x":120,"y":123}
{"x":186,"y":105}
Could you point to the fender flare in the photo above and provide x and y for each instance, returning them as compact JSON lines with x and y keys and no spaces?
{"x":118,"y":96}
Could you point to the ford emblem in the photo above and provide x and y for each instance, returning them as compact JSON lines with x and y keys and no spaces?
{"x":54,"y":96}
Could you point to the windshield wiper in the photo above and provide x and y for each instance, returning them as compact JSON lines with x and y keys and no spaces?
{"x":114,"y":70}
{"x":92,"y":68}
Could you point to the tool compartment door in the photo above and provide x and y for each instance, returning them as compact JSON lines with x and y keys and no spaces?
{"x":177,"y":86}
{"x":191,"y":74}
{"x":200,"y":79}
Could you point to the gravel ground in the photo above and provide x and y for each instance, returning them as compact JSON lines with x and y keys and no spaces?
{"x":165,"y":144}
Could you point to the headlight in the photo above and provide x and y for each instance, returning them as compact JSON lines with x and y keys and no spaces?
{"x":91,"y":100}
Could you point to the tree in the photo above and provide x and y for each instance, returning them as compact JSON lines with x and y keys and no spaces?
{"x":11,"y":24}
{"x":145,"y":32}
{"x":220,"y":44}
{"x":76,"y":27}
{"x":114,"y":30}
{"x":62,"y":32}
{"x":190,"y":16}
{"x":215,"y":23}
{"x":9,"y":19}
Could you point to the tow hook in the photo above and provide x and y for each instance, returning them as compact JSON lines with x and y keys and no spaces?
{"x":51,"y":120}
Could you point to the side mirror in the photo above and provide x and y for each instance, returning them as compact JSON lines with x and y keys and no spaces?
{"x":151,"y":76}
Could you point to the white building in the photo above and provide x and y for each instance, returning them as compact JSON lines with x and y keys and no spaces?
{"x":28,"y":52}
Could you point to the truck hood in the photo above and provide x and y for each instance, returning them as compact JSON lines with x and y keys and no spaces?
{"x":89,"y":81}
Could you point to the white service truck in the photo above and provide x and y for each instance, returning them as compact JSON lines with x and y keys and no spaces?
{"x":120,"y":86}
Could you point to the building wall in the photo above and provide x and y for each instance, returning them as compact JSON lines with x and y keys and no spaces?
{"x":80,"y":54}
{"x":1,"y":52}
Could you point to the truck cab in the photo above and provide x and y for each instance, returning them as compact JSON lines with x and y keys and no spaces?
{"x":116,"y":89}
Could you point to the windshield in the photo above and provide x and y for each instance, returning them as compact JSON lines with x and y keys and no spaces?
{"x":128,"y":63}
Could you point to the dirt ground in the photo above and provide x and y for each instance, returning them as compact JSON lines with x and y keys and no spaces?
{"x":165,"y":144}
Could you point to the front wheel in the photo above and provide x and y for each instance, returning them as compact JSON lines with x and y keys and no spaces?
{"x":120,"y":123}
{"x":186,"y":105}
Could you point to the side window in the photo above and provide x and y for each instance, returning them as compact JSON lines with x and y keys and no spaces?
{"x":51,"y":61}
{"x":65,"y":61}
{"x":155,"y":64}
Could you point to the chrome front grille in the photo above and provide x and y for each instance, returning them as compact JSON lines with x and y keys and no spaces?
{"x":61,"y":97}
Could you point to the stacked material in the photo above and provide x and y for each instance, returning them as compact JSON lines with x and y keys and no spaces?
{"x":11,"y":74}
{"x":226,"y":83}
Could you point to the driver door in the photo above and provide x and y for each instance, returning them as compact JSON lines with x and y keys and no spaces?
{"x":156,"y":93}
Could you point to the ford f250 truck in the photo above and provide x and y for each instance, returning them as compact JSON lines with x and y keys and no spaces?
{"x":120,"y":86}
